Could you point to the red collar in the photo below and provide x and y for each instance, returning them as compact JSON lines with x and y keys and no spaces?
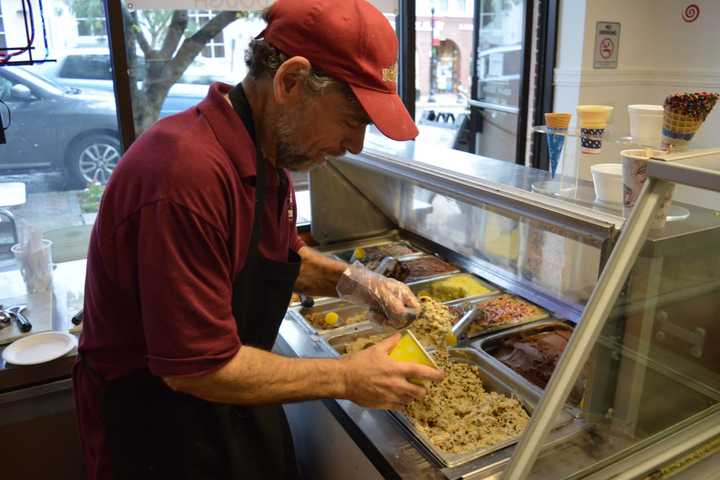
{"x":231,"y":132}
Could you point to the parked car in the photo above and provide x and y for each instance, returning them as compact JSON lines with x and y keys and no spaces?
{"x":57,"y":128}
{"x":90,"y":69}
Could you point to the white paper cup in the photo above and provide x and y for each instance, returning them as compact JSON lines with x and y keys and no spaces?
{"x":634,"y":168}
{"x":607,"y":180}
{"x":35,"y":266}
{"x":646,"y":123}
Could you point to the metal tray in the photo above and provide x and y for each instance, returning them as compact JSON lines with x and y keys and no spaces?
{"x":346,"y":254}
{"x":455,"y":269}
{"x":318,"y":302}
{"x":460,"y":329}
{"x":336,"y":341}
{"x":418,"y":287}
{"x":343,"y":309}
{"x":493,"y":381}
{"x":486,"y":346}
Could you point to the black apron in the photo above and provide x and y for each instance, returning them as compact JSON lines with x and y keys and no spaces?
{"x":155,"y":432}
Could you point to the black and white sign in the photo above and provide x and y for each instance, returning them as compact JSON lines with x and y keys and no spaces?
{"x":607,"y":44}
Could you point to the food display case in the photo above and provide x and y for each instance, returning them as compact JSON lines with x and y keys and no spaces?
{"x":608,"y":350}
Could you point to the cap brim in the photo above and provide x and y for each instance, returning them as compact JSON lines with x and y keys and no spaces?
{"x":388,"y":113}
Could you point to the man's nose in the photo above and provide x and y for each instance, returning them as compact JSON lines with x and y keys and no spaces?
{"x":354,"y":142}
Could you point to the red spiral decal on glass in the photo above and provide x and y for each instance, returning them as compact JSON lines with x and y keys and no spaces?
{"x":691,"y":13}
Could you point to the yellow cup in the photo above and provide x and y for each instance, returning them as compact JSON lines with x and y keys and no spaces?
{"x":409,"y":349}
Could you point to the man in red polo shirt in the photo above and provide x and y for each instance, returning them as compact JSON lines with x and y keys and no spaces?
{"x":195,"y":253}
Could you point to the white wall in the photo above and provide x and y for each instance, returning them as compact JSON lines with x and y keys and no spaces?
{"x":659,"y":54}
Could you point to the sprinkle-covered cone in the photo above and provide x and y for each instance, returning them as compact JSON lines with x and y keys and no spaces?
{"x":678,"y":128}
{"x":559,"y":122}
{"x":683,"y":115}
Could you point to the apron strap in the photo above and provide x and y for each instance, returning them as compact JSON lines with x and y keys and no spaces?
{"x":241,"y":105}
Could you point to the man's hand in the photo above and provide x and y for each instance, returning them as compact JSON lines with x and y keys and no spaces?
{"x":373,"y":379}
{"x":360,"y":285}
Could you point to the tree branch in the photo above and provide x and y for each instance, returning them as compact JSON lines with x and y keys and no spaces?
{"x":174,"y":34}
{"x":132,"y":22}
{"x":192,"y":46}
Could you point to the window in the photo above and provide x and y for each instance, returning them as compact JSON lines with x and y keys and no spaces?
{"x":91,"y":27}
{"x":55,"y":142}
{"x":215,"y":48}
{"x":89,"y":67}
{"x":443,"y":61}
{"x":478,"y":113}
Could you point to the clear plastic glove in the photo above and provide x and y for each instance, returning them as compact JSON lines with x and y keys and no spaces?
{"x":394,"y":299}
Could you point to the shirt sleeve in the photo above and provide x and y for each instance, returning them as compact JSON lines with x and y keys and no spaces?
{"x":185,"y":284}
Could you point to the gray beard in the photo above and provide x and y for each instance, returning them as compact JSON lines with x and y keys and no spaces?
{"x":287,"y":155}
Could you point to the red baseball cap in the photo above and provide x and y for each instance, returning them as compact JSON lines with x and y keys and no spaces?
{"x":349,"y":40}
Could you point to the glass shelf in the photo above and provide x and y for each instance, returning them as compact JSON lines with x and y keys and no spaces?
{"x":609,"y":136}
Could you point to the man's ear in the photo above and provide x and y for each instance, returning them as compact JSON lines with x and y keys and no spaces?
{"x":288,"y":84}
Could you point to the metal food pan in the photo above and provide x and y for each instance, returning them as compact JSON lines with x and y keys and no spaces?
{"x":346,"y":255}
{"x":425,"y":286}
{"x":412,"y":258}
{"x":344,"y":310}
{"x":338,"y":341}
{"x":488,"y":345}
{"x":493,"y":380}
{"x":318,"y":301}
{"x":461,"y":329}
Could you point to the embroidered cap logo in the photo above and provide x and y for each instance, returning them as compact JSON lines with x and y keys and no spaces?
{"x":390,"y":74}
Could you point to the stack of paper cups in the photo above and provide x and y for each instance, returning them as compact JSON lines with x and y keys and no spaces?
{"x":646,"y":123}
{"x":634,"y":176}
{"x":592,"y":121}
{"x":556,"y":122}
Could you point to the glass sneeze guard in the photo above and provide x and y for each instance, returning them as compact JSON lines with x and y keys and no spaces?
{"x":645,"y":337}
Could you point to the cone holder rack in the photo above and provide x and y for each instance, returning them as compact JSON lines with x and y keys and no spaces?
{"x":569,"y":186}
{"x":608,"y":136}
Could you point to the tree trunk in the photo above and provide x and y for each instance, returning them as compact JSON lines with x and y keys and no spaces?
{"x":164,"y":66}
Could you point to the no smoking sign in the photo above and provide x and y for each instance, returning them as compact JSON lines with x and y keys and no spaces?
{"x":607,"y":48}
{"x":607,"y":43}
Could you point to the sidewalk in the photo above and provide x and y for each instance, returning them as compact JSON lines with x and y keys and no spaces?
{"x":57,"y":214}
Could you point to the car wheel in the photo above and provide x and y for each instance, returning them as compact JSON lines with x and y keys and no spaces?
{"x":93,"y":159}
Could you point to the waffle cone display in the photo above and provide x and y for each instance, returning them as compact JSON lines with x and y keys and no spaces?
{"x":678,"y":129}
{"x":557,"y":120}
{"x":683,"y":115}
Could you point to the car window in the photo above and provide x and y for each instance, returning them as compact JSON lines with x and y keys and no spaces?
{"x":87,"y":67}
